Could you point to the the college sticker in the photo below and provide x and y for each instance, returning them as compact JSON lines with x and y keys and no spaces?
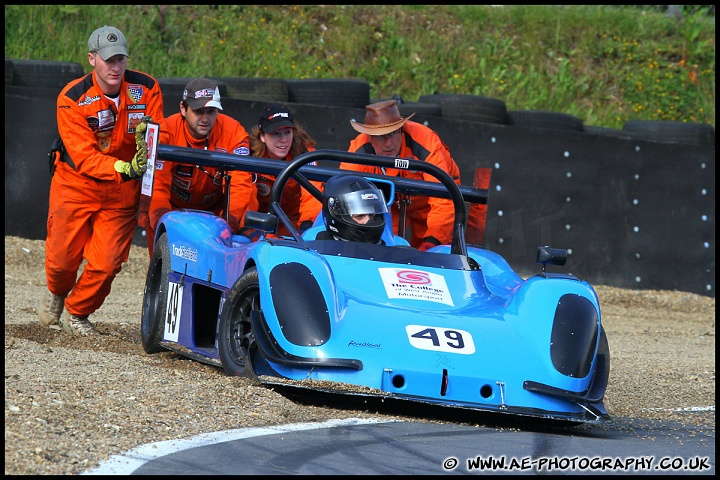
{"x":415,"y":285}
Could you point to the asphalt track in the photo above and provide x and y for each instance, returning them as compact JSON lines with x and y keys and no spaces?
{"x":380,"y":447}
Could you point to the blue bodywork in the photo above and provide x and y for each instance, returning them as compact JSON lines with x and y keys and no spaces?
{"x":454,"y":326}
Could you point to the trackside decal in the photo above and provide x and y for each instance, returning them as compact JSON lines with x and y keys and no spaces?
{"x":440,"y":339}
{"x":174,"y":308}
{"x":415,"y":285}
{"x":186,"y":253}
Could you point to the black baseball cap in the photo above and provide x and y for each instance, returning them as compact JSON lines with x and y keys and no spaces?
{"x":274,"y":117}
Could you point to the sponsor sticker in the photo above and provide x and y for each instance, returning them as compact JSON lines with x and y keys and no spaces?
{"x":135,"y":92}
{"x":88,"y":101}
{"x":186,"y":253}
{"x":106,"y":120}
{"x":134,"y":119}
{"x":415,"y":285}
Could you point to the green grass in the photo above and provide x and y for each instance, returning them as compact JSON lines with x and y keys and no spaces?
{"x":603,"y":64}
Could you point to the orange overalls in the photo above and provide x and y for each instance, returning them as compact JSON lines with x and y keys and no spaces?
{"x":179,"y":185}
{"x":92,"y":213}
{"x":299,"y":204}
{"x":428,"y":217}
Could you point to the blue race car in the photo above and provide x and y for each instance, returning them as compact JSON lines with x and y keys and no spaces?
{"x":454,"y":326}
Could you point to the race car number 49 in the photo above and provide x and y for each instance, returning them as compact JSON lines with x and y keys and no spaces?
{"x":440,"y":339}
{"x":174,"y":309}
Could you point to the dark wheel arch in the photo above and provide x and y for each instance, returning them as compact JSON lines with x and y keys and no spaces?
{"x":602,"y":375}
{"x":235,"y":336}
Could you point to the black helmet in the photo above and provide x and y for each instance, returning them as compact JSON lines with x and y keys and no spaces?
{"x":347,"y":195}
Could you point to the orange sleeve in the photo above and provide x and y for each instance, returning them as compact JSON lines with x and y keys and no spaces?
{"x":355,"y":145}
{"x":309,"y":207}
{"x":243,"y":196}
{"x":243,"y":193}
{"x":81,"y":142}
{"x":442,"y":213}
{"x":160,"y":199}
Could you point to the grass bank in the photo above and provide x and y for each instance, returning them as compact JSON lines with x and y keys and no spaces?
{"x":603,"y":64}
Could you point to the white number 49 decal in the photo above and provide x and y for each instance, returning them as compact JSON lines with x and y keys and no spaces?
{"x":440,"y":339}
{"x":174,"y":308}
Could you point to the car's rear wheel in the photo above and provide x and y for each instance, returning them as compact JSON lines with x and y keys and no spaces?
{"x":235,"y":336}
{"x":155,"y":297}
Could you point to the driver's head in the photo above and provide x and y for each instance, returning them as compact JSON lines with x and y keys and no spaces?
{"x":353,"y":209}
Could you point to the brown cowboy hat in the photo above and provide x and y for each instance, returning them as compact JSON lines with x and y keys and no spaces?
{"x":381,"y":118}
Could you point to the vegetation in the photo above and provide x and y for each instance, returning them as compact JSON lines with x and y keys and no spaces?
{"x":603,"y":64}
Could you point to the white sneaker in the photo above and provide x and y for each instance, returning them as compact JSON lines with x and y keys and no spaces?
{"x":51,"y":309}
{"x":78,"y":326}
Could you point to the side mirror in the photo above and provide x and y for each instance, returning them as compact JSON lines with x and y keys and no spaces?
{"x":266,"y":222}
{"x":551,"y":256}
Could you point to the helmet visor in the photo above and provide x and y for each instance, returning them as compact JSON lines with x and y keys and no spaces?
{"x":361,"y":202}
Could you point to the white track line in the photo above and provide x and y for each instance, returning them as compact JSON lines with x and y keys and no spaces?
{"x":129,"y":462}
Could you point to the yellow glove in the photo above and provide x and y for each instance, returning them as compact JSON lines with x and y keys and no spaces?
{"x":134,"y":169}
{"x":140,"y":131}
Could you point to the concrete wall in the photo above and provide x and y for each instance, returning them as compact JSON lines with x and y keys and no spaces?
{"x":633,"y":213}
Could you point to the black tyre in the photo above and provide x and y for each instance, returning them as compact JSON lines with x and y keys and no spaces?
{"x":419,"y":108}
{"x":261,"y":89}
{"x":329,"y":91}
{"x":672,"y":132}
{"x":235,"y":335}
{"x":154,"y":309}
{"x":545,"y":119}
{"x":408,"y":108}
{"x":9,"y":71}
{"x":608,"y":132}
{"x":45,"y":73}
{"x":474,"y":108}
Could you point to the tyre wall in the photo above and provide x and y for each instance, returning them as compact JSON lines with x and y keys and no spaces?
{"x":633,"y":212}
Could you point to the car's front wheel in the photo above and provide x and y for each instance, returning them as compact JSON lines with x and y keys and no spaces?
{"x":155,"y":297}
{"x":235,"y":336}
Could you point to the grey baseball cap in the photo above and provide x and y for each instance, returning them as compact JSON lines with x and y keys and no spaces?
{"x":108,"y":41}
